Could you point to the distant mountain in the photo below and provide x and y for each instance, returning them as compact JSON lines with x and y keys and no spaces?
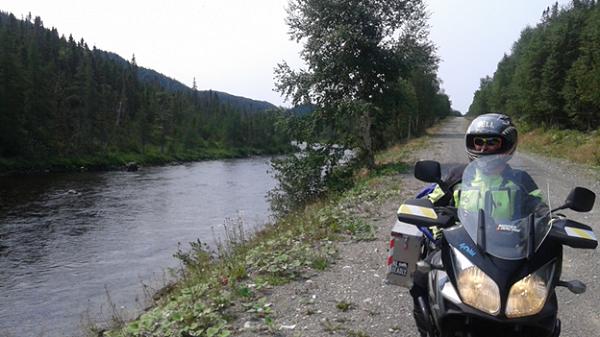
{"x":153,"y":77}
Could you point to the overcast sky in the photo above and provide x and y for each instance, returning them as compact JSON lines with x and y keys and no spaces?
{"x":233,"y":45}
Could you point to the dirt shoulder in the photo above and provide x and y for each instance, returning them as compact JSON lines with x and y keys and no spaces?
{"x":350,"y":298}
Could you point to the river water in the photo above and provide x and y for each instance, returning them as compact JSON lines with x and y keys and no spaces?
{"x":68,"y":242}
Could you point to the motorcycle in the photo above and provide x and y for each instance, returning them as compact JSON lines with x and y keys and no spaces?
{"x":495,"y":269}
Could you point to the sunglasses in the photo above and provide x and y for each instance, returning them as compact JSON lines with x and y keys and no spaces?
{"x":489,"y":141}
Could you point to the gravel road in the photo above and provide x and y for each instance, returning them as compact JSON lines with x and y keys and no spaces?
{"x":312,"y":307}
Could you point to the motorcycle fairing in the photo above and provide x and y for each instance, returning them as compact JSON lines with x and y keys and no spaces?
{"x":504,"y":272}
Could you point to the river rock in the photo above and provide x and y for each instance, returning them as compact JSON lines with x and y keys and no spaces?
{"x":132,"y":166}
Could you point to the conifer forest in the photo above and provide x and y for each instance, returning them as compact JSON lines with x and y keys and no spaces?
{"x":61,"y":100}
{"x":552,"y":75}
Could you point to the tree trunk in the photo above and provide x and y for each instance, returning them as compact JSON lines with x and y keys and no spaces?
{"x":368,"y":154}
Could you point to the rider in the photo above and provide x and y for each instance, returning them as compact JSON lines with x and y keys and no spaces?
{"x":489,"y":134}
{"x":492,"y":135}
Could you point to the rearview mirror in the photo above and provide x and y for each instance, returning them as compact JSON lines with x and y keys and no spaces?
{"x":428,"y":171}
{"x":580,"y":200}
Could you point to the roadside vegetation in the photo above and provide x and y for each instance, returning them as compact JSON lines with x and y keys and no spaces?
{"x":576,"y":146}
{"x":218,"y":286}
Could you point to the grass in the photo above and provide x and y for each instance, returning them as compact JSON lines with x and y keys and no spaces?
{"x":215,"y":286}
{"x":573,"y":145}
{"x":396,"y":155}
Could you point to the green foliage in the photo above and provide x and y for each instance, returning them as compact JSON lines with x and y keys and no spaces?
{"x":359,"y":229}
{"x":371,"y":78}
{"x":197,"y":260}
{"x":305,"y":176}
{"x":261,"y":308}
{"x":390,"y":169}
{"x":552,"y":75}
{"x":187,"y":314}
{"x":287,"y":256}
{"x":331,"y":327}
{"x":370,"y":72}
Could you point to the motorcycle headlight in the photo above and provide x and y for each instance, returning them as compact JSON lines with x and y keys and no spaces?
{"x":475,"y":287}
{"x":528,"y":296}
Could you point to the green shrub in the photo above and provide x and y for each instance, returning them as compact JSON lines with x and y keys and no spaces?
{"x":305,"y":176}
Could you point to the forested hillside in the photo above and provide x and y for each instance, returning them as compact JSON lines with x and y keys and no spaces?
{"x":552,"y":75}
{"x":59,"y":99}
{"x":150,"y":76}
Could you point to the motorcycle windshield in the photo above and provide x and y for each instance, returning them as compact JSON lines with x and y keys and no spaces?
{"x":497,"y":203}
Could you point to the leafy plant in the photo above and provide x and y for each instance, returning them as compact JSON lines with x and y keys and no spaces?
{"x":307,"y":175}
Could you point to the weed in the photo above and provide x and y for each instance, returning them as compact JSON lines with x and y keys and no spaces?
{"x":270,"y":324}
{"x":245,"y":292}
{"x":330,"y":327}
{"x":197,"y":261}
{"x":360,"y":230}
{"x":320,"y":263}
{"x":234,"y":238}
{"x":344,"y":306}
{"x":388,"y":169}
{"x":356,"y":333}
{"x":117,"y":316}
{"x":261,"y":308}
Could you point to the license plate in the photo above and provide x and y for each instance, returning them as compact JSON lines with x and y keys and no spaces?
{"x":399,"y":267}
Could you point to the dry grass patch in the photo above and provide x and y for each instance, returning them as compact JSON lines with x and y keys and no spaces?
{"x":572,"y":145}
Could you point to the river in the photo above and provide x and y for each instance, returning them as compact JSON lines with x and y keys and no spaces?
{"x":68,"y":242}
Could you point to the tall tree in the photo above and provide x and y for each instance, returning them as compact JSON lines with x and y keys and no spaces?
{"x":351,"y":53}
